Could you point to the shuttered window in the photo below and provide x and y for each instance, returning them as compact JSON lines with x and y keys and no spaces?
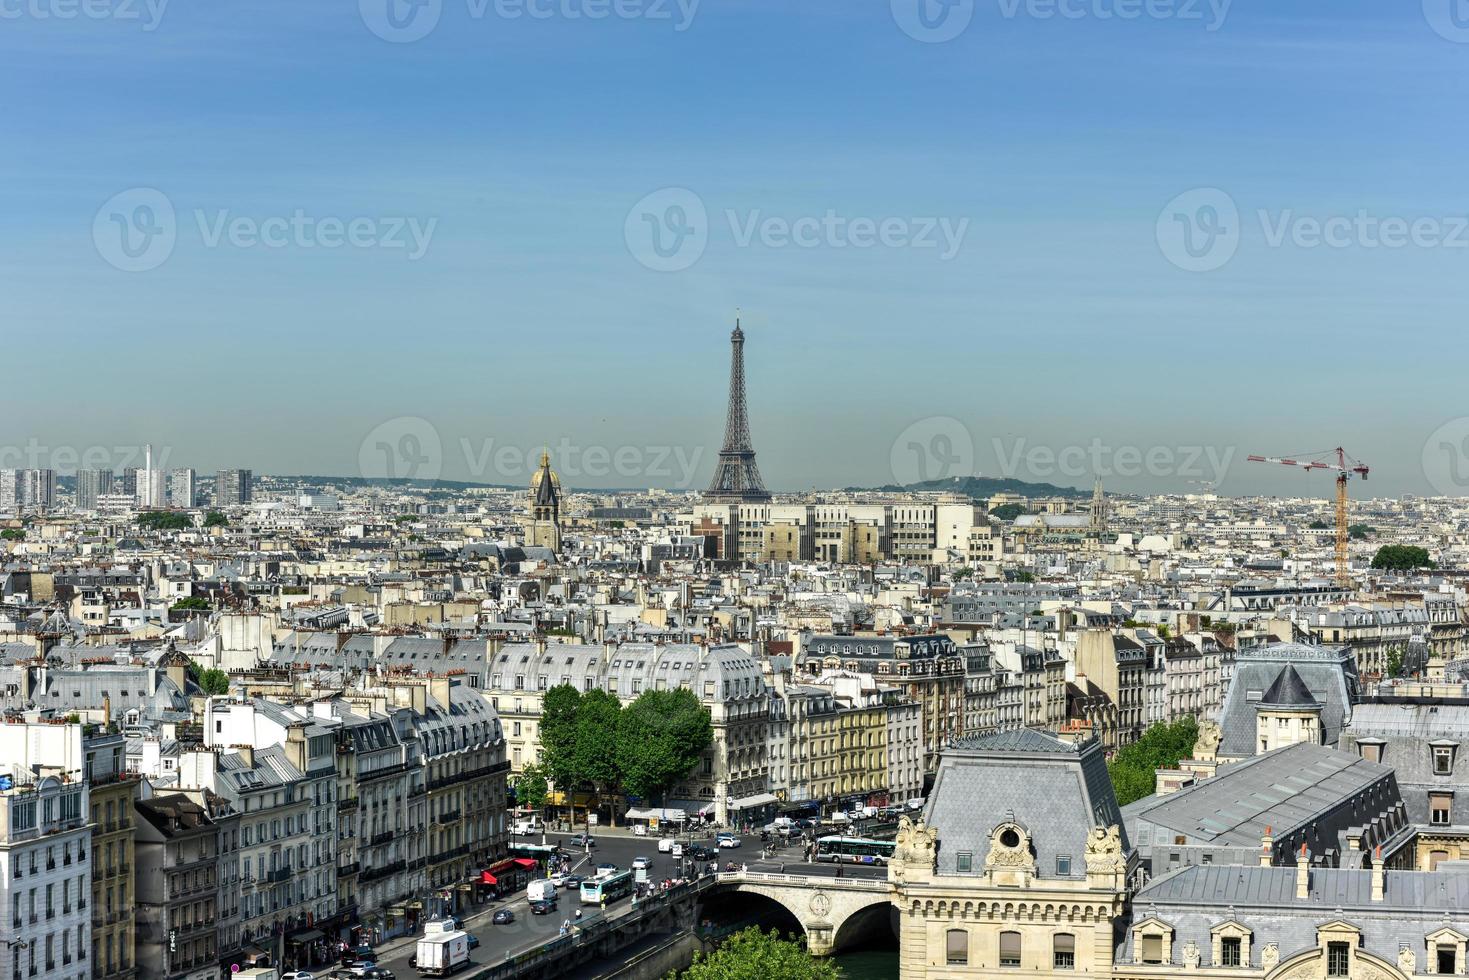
{"x":1152,"y":948}
{"x":1064,"y":951}
{"x":1010,"y":950}
{"x":958,"y":947}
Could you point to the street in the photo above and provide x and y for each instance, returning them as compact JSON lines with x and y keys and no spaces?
{"x":614,"y":846}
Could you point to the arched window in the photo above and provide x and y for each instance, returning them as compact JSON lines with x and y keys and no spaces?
{"x":1063,"y":951}
{"x":1010,"y":950}
{"x":957,"y":947}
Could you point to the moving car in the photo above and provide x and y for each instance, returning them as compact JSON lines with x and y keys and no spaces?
{"x":573,"y":882}
{"x":727,"y":840}
{"x":583,"y":840}
{"x":543,"y":906}
{"x":503,"y":917}
{"x":297,"y":975}
{"x":701,"y":853}
{"x":640,"y":863}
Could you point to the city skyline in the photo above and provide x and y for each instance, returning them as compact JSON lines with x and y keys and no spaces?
{"x":1038,"y":254}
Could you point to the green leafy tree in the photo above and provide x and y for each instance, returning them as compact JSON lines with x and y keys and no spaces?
{"x":660,"y":738}
{"x":215,"y":519}
{"x":1318,"y":525}
{"x":595,"y":749}
{"x":162,"y":520}
{"x":558,"y":735}
{"x":210,"y":681}
{"x":756,"y":955}
{"x":531,"y":787}
{"x":1161,"y":747}
{"x":1395,"y":662}
{"x":13,"y":534}
{"x":1360,"y":532}
{"x":192,"y":603}
{"x":1026,"y":577}
{"x":1401,"y":558}
{"x":1008,"y":512}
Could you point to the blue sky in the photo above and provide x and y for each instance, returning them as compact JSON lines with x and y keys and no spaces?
{"x":529,"y":151}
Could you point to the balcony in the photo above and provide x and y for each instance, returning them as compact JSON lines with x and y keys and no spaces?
{"x":382,"y":838}
{"x":451,"y":817}
{"x":347,"y":806}
{"x":279,"y":874}
{"x":344,"y":870}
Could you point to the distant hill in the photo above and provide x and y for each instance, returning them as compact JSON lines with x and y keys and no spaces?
{"x":982,"y":488}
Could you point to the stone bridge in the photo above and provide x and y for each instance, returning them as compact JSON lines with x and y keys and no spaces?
{"x":833,"y":911}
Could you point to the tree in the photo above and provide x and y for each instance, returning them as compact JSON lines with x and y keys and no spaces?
{"x":215,"y":519}
{"x":1160,"y":747}
{"x":1008,"y":512}
{"x":595,"y":750}
{"x":756,"y":955}
{"x":193,"y":603}
{"x":558,"y":735}
{"x":162,"y":520}
{"x":1026,"y":577}
{"x":1395,"y":662}
{"x":1401,"y":558}
{"x":13,"y":534}
{"x":1360,"y":532}
{"x":1318,"y":525}
{"x":531,"y":788}
{"x":660,"y":738}
{"x":210,"y":681}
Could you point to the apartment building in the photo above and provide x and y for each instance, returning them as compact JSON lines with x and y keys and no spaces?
{"x":177,"y":889}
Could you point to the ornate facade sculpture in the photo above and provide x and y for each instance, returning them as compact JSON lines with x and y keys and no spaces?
{"x":1270,"y":956}
{"x":917,"y":844}
{"x":1206,"y":747}
{"x":1104,"y":851}
{"x":1191,"y":955}
{"x":1407,"y":960}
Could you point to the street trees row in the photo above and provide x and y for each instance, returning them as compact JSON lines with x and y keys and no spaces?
{"x":589,"y":740}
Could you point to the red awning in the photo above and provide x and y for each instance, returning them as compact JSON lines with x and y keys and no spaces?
{"x":485,"y":878}
{"x":527,"y":862}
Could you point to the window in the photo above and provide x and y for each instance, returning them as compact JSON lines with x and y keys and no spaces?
{"x":1152,"y":948}
{"x":1229,"y":950}
{"x":1440,"y":808}
{"x":1443,"y":760}
{"x":965,"y":861}
{"x":1063,"y":951}
{"x":958,"y":947}
{"x":1338,"y":959}
{"x":1370,"y":751}
{"x":1010,"y":950}
{"x":1063,"y":865}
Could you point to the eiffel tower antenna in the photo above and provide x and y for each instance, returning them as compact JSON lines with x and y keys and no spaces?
{"x":736,"y":477}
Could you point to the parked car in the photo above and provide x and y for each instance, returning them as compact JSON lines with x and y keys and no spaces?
{"x":503,"y":917}
{"x":583,"y":840}
{"x":297,"y":975}
{"x":543,"y":907}
{"x":640,"y":863}
{"x":727,"y":840}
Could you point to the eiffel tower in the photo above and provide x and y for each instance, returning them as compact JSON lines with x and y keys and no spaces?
{"x":736,"y":478}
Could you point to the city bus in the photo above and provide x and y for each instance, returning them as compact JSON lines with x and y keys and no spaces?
{"x":536,"y":852}
{"x":609,"y":888}
{"x":854,"y":850}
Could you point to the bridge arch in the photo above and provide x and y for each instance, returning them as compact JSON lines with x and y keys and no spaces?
{"x":831,"y":911}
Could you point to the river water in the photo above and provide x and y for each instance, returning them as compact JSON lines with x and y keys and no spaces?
{"x":869,"y":964}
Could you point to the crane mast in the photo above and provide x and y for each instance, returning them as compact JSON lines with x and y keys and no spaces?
{"x":1345,"y":468}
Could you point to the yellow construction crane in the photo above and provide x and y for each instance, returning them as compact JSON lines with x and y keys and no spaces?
{"x":1345,"y":468}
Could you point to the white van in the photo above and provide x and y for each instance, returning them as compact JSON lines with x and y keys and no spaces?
{"x":526,"y":825}
{"x":541,"y":890}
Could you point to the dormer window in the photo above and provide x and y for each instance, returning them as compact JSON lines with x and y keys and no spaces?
{"x":1443,"y":759}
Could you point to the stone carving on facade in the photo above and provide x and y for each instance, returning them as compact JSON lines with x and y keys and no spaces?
{"x":917,"y":844}
{"x":1206,"y":747}
{"x":1104,"y":851}
{"x":1270,"y":956}
{"x":1010,"y":849}
{"x":1191,"y":955}
{"x":1407,"y":960}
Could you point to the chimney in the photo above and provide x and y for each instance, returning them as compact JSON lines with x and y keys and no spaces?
{"x":1379,"y":875}
{"x":107,"y":712}
{"x":1303,"y":874}
{"x":438,"y":687}
{"x":1267,"y":849}
{"x":247,"y":755}
{"x":296,"y":746}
